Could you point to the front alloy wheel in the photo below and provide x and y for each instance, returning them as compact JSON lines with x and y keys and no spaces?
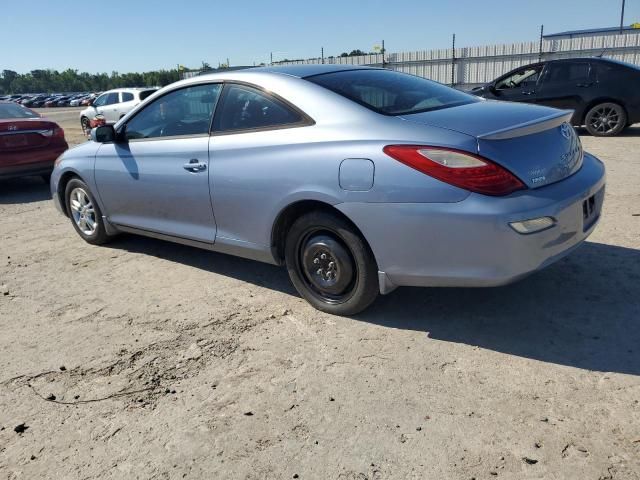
{"x":84,"y":212}
{"x":86,"y":125}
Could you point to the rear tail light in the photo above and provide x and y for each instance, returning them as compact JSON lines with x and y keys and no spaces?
{"x":458,"y":168}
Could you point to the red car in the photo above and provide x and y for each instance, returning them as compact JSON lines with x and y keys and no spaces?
{"x":29,"y":144}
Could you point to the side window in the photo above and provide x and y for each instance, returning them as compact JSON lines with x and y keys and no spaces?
{"x":111,"y":98}
{"x":567,"y":73}
{"x":127,"y":96}
{"x":182,"y":112}
{"x":146,"y":93}
{"x":527,"y":77}
{"x":100,"y":101}
{"x":244,"y":108}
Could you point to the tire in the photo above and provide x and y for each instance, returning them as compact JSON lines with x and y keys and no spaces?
{"x":346,"y":279}
{"x":84,"y":123}
{"x":84,"y":213}
{"x":605,"y":120}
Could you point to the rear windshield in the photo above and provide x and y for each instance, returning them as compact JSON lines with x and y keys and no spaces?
{"x":13,"y":110}
{"x":146,"y":93}
{"x":391,"y":93}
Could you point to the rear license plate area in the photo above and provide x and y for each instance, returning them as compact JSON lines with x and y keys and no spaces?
{"x":14,"y":141}
{"x":590,"y":211}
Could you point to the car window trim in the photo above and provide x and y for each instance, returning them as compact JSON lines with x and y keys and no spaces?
{"x":541,"y":73}
{"x":305,"y":120}
{"x":122,"y":127}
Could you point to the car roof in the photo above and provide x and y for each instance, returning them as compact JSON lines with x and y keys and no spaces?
{"x":130,"y":89}
{"x":590,"y":59}
{"x":299,"y":71}
{"x":308,"y":70}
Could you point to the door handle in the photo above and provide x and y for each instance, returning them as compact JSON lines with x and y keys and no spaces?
{"x":584,"y":85}
{"x":195,"y":166}
{"x":529,"y":92}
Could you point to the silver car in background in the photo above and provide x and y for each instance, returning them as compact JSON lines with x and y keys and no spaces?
{"x":359,"y":180}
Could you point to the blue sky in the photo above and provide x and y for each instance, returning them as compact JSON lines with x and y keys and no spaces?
{"x":139,"y":35}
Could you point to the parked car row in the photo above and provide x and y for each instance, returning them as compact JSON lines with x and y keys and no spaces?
{"x":49,"y":100}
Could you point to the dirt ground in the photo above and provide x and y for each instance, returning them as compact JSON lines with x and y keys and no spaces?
{"x":149,"y":360}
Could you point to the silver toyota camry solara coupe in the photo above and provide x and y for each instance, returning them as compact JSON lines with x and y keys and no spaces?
{"x":359,"y":180}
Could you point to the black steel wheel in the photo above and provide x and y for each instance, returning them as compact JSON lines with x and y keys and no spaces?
{"x":605,"y":120}
{"x":330,"y":264}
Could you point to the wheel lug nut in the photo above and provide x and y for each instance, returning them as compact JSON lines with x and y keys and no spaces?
{"x":323,"y":256}
{"x":316,"y":261}
{"x":319,"y":272}
{"x":331,"y":264}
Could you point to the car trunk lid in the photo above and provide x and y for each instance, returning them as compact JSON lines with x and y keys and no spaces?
{"x":25,"y":134}
{"x":537,"y":144}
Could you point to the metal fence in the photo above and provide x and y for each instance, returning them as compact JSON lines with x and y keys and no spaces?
{"x":470,"y":66}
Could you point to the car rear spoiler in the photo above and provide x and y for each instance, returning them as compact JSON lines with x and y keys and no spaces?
{"x":529,"y":128}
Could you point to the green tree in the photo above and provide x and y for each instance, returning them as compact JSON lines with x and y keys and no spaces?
{"x":70,"y":80}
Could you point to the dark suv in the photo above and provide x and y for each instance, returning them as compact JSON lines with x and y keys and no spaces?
{"x":604,"y":93}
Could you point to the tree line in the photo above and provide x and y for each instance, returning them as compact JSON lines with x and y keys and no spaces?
{"x":48,"y":81}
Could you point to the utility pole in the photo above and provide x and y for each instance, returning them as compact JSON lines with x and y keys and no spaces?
{"x":383,"y":52}
{"x":540,"y":48}
{"x":453,"y":60}
{"x":622,"y":17}
{"x":322,"y":54}
{"x":271,"y":58}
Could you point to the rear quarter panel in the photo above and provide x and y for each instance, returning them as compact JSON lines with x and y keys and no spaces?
{"x":254,"y":176}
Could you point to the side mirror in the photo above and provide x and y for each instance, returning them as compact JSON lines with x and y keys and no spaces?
{"x":103,"y":134}
{"x":90,"y":102}
{"x":492,"y":88}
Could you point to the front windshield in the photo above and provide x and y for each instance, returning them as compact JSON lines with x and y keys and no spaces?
{"x":391,"y":93}
{"x":14,"y":110}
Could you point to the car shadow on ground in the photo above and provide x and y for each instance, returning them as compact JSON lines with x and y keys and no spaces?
{"x":23,"y":190}
{"x":257,"y":273}
{"x":583,"y":311}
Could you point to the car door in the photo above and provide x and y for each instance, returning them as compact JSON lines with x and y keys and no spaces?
{"x":520,"y":85}
{"x":156,"y":176}
{"x":105,"y":105}
{"x":110,"y":109}
{"x":566,"y":84}
{"x":255,"y":134}
{"x":127,"y":102}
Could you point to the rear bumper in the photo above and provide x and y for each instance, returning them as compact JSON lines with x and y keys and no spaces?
{"x":470,"y":243}
{"x":30,"y":162}
{"x":25,"y":170}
